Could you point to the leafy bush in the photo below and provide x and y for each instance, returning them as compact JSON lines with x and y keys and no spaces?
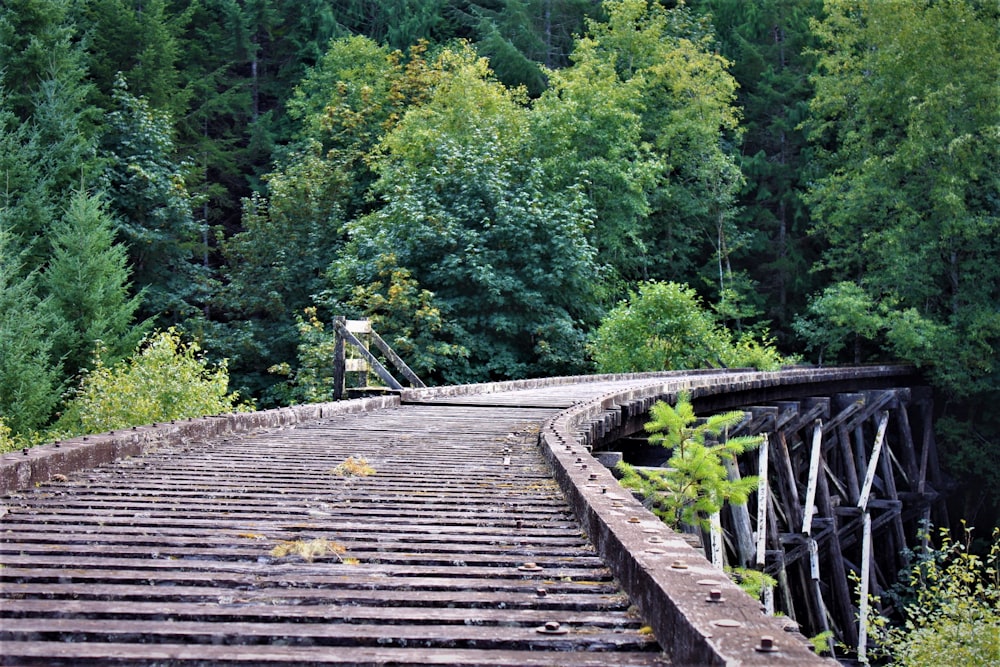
{"x":164,"y":379}
{"x":951,"y":609}
{"x":664,"y":326}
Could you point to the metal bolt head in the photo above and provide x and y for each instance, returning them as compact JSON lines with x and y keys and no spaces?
{"x":767,"y":645}
{"x":541,"y":592}
{"x":679,"y":565}
{"x":551,"y":628}
{"x":715,"y":595}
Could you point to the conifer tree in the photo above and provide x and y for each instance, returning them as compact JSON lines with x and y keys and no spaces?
{"x":29,"y":373}
{"x":148,"y":197}
{"x":87,"y":283}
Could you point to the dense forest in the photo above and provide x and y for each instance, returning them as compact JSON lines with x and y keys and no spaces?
{"x":499,"y":185}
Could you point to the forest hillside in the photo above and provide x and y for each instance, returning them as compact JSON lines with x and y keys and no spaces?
{"x":498,"y":185}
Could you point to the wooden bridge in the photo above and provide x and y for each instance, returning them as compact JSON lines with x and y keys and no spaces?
{"x":450,"y":526}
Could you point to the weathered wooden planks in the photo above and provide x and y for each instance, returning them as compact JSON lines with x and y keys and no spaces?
{"x":166,"y":558}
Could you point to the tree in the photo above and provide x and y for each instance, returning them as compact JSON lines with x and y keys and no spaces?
{"x":664,"y":326}
{"x":695,"y":483}
{"x":905,"y":117}
{"x":137,"y":40}
{"x":842,"y":313}
{"x":147,"y":194}
{"x":660,"y":164}
{"x":768,"y":43}
{"x":87,"y":282}
{"x":30,"y":375}
{"x":164,"y":379}
{"x":469,"y":215}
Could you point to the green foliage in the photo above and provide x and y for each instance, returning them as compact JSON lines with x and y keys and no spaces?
{"x":164,"y":379}
{"x":408,"y":319}
{"x":646,"y":116}
{"x":87,"y":283}
{"x":664,"y":326}
{"x":311,"y":381}
{"x":843,"y":312}
{"x":694,"y":484}
{"x":7,"y":443}
{"x":753,"y":582}
{"x":768,"y":44}
{"x":477,"y":224}
{"x":30,"y":376}
{"x":150,"y":201}
{"x":950,"y":603}
{"x":905,"y":124}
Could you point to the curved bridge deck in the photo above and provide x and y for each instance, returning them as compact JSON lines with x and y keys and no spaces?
{"x":222,"y":542}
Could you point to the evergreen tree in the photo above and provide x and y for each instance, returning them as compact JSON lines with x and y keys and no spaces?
{"x":87,"y":283}
{"x":29,"y":373}
{"x":768,"y":43}
{"x":137,"y":39}
{"x":149,"y":199}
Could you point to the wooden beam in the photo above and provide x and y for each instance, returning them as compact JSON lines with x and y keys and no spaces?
{"x":339,"y":362}
{"x":815,"y":452}
{"x":873,"y":463}
{"x":396,"y":360}
{"x":375,"y":364}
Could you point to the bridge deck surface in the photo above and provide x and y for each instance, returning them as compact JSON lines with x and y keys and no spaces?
{"x":168,"y":558}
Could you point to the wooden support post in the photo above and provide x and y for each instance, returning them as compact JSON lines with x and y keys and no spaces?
{"x":369,"y":357}
{"x":866,"y":555}
{"x":762,"y":501}
{"x":742,"y":529}
{"x":339,"y":361}
{"x":784,"y":589}
{"x":786,"y":476}
{"x":715,"y":541}
{"x":814,"y":471}
{"x":909,"y":452}
{"x":873,"y":463}
{"x":843,"y":608}
{"x":850,"y":465}
{"x":889,"y":481}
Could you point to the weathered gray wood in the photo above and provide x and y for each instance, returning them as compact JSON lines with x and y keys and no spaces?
{"x":376,"y":365}
{"x":339,"y":361}
{"x":396,"y":360}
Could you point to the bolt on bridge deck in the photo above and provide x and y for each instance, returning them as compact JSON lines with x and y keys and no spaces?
{"x":459,"y":549}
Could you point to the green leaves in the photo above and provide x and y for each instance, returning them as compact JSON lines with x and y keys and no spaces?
{"x":905,"y":117}
{"x":949,"y":602}
{"x":469,"y":215}
{"x":164,"y":379}
{"x":664,"y":326}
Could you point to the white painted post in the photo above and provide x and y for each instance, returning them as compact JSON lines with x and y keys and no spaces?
{"x":716,"y":539}
{"x":762,"y":494}
{"x":866,"y":488}
{"x":866,"y":555}
{"x":810,"y":508}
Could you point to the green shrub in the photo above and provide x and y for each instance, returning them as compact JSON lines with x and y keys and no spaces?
{"x":665,"y":326}
{"x":950,"y":606}
{"x":164,"y":379}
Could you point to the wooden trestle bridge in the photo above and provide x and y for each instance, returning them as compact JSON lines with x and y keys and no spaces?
{"x":486,"y":532}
